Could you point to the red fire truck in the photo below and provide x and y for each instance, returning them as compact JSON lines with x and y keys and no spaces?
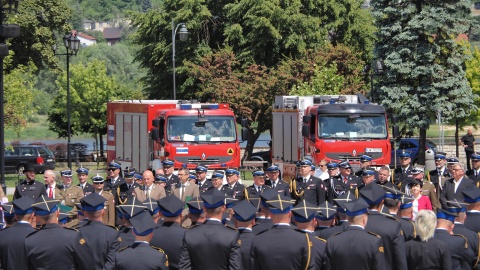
{"x":331,"y":127}
{"x":141,"y":133}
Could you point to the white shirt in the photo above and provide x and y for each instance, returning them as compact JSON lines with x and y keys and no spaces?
{"x":53,"y":191}
{"x":323,"y":175}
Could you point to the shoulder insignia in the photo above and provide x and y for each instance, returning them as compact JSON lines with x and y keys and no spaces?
{"x":82,"y":241}
{"x":380,"y":249}
{"x":230,"y":227}
{"x":112,"y":227}
{"x":391,"y":217}
{"x":336,"y":234}
{"x":464,"y":238}
{"x":401,"y":232}
{"x":321,"y":239}
{"x":374,"y":234}
{"x":159,"y":249}
{"x":122,"y":249}
{"x":239,"y":241}
{"x":119,"y":239}
{"x":77,"y":187}
{"x":193,"y":226}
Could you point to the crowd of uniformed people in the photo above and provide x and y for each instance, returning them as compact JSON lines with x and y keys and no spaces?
{"x":328,"y":217}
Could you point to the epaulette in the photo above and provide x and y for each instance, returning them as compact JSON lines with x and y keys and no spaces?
{"x":77,"y":187}
{"x":73,"y":229}
{"x":321,"y":239}
{"x":391,"y":217}
{"x":260,"y":232}
{"x":230,"y":227}
{"x":374,"y":234}
{"x":112,"y":227}
{"x":193,"y":226}
{"x":159,"y":249}
{"x":122,"y":249}
{"x":336,"y":234}
{"x":464,"y":238}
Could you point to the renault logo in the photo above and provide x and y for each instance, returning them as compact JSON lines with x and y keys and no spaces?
{"x":204,"y":156}
{"x":354,"y":153}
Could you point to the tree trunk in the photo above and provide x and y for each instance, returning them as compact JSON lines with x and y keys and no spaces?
{"x":252,"y":138}
{"x":422,"y":146}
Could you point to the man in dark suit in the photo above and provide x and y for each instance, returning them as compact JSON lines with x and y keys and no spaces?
{"x":203,"y":183}
{"x":29,"y":187}
{"x":263,"y":221}
{"x":12,"y":239}
{"x":54,"y":247}
{"x":402,"y":176}
{"x":459,"y":228}
{"x":387,"y":227}
{"x":365,"y":163}
{"x":344,"y":181}
{"x":474,"y":173}
{"x":169,"y":235}
{"x":114,"y":179}
{"x":172,"y":179}
{"x":440,"y":174}
{"x":102,"y":241}
{"x":452,"y":190}
{"x":275,"y":182}
{"x":472,"y":197}
{"x":392,"y":202}
{"x":292,"y":248}
{"x":126,"y":189}
{"x":244,"y":213}
{"x":308,"y":187}
{"x":141,"y":255}
{"x":82,"y":174}
{"x":304,"y":216}
{"x":258,"y":186}
{"x":355,"y":248}
{"x":223,"y":240}
{"x":233,"y":187}
{"x":462,"y":256}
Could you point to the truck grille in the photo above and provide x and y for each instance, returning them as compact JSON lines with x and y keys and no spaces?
{"x":208,"y":161}
{"x":348,"y":156}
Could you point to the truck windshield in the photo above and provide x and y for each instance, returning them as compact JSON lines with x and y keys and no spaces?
{"x":352,"y":126}
{"x":217,"y":129}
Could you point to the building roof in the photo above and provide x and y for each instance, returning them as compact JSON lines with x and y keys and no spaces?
{"x":86,"y":36}
{"x":112,"y":32}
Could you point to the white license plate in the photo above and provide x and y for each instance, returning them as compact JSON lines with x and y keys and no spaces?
{"x":49,"y":160}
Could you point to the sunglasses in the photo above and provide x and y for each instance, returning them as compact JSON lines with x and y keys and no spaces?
{"x":98,"y":183}
{"x":111,"y":169}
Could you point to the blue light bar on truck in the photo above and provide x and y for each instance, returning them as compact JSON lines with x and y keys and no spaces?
{"x":199,"y":106}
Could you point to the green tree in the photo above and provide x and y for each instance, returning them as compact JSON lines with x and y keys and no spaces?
{"x":19,"y":94}
{"x":424,"y":63}
{"x":90,"y":90}
{"x":325,"y":81}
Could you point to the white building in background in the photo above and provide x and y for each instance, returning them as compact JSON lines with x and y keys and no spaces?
{"x":86,"y":40}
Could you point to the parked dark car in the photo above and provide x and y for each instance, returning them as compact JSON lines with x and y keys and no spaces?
{"x":411,"y":145}
{"x":17,"y":156}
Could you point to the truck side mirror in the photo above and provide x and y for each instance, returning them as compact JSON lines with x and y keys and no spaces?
{"x":305,"y":131}
{"x":244,"y":134}
{"x":156,"y":122}
{"x":154,"y":134}
{"x":244,"y":122}
{"x":306,"y":119}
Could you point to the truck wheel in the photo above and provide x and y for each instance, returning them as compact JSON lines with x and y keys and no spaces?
{"x":20,"y":169}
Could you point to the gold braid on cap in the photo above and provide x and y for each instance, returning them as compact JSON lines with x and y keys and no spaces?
{"x":293,"y":187}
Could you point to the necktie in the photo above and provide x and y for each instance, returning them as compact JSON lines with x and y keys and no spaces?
{"x":183,"y":192}
{"x":345,"y":180}
{"x":129,"y":186}
{"x":273,"y":185}
{"x":304,"y":180}
{"x":50,"y":193}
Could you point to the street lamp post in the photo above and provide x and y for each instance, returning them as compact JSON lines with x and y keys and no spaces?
{"x":378,"y":69}
{"x":6,"y":31}
{"x":183,"y":36}
{"x":72,"y":44}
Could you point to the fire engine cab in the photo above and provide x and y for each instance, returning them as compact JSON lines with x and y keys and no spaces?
{"x":141,"y":132}
{"x":330,"y":127}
